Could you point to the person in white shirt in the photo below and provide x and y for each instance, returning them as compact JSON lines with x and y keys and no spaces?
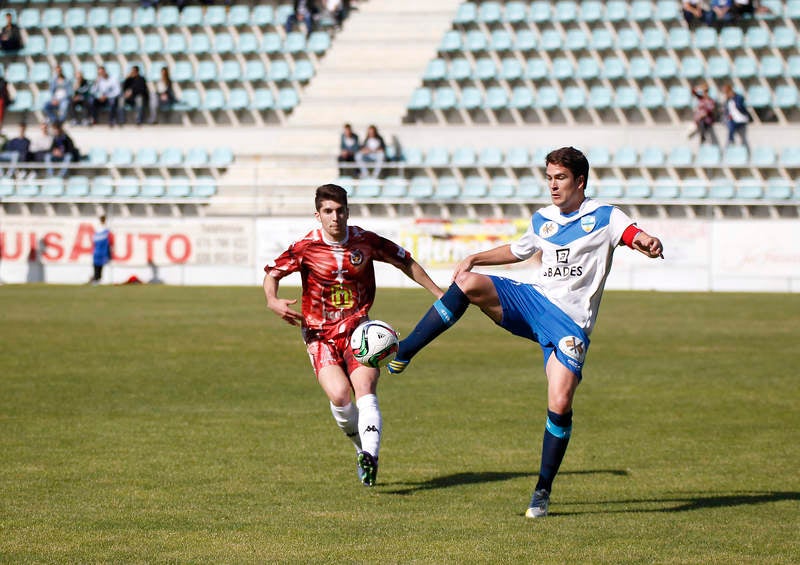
{"x":105,"y":95}
{"x":575,"y":237}
{"x":373,"y":150}
{"x":736,"y":116}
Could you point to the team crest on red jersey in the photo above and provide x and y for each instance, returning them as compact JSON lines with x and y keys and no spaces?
{"x":356,"y":257}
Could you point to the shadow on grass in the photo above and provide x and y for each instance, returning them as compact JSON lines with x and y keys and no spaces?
{"x":459,"y":479}
{"x":685,"y":503}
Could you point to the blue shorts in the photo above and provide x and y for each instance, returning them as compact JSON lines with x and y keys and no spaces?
{"x":529,"y":314}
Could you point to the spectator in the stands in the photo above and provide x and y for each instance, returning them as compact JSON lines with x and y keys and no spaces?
{"x":348,"y":147}
{"x":81,"y":102}
{"x":135,"y":94}
{"x":164,"y":97}
{"x":373,"y":150}
{"x":10,"y":35}
{"x":705,"y":114}
{"x":40,"y":145}
{"x":737,"y":116}
{"x":748,"y":8}
{"x":5,"y":99}
{"x":105,"y":94}
{"x":695,"y":12}
{"x":16,"y":151}
{"x":721,"y":12}
{"x":60,"y":95}
{"x":339,"y":9}
{"x":302,"y":11}
{"x":62,"y":150}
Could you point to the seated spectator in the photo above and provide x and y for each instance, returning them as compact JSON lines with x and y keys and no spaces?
{"x":339,"y":9}
{"x":62,"y":150}
{"x":348,"y":147}
{"x":105,"y":94}
{"x":305,"y":11}
{"x":748,"y":8}
{"x":56,"y":107}
{"x":135,"y":94}
{"x":40,"y":146}
{"x":164,"y":98}
{"x":16,"y":151}
{"x":81,"y":103}
{"x":5,"y":99}
{"x":721,"y":12}
{"x":373,"y":150}
{"x":705,"y":114}
{"x":10,"y":36}
{"x":695,"y":12}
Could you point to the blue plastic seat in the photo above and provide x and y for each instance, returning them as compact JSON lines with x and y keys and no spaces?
{"x":279,"y":71}
{"x":637,"y":188}
{"x":600,"y":97}
{"x":127,"y":187}
{"x":692,"y":68}
{"x":239,"y":15}
{"x":447,"y":188}
{"x":75,"y":18}
{"x":444,"y":98}
{"x":466,"y":14}
{"x":204,"y":187}
{"x":471,"y":98}
{"x":511,"y":69}
{"x":771,"y":67}
{"x":783,"y":37}
{"x":476,"y":41}
{"x":231,"y":71}
{"x":146,"y":157}
{"x":525,"y":41}
{"x":547,"y":98}
{"x":295,"y":43}
{"x":515,"y":12}
{"x":303,"y":71}
{"x":98,"y":17}
{"x":665,"y":68}
{"x":40,"y":73}
{"x":521,"y":98}
{"x":464,"y":157}
{"x":421,"y":99}
{"x":224,"y":43}
{"x":602,"y":40}
{"x":778,"y":189}
{"x":437,"y":157}
{"x":215,"y":16}
{"x":588,"y":69}
{"x":319,"y":42}
{"x":653,"y":39}
{"x":616,"y":11}
{"x":652,"y":157}
{"x":565,"y":11}
{"x":420,"y":188}
{"x":749,"y":189}
{"x":459,"y":70}
{"x":539,"y":12}
{"x":474,"y":187}
{"x":435,"y":71}
{"x":128,"y":44}
{"x":639,"y":68}
{"x":451,"y":42}
{"x":641,"y":10}
{"x":170,"y":157}
{"x":263,"y":99}
{"x":29,"y":18}
{"x":576,"y":40}
{"x":182,"y":72}
{"x":574,"y":97}
{"x":551,"y":40}
{"x":793,"y":66}
{"x":191,"y":16}
{"x":144,"y":17}
{"x":153,"y":187}
{"x":501,"y":41}
{"x":762,"y":156}
{"x":199,"y":44}
{"x":627,"y":39}
{"x":705,"y":38}
{"x":679,"y":98}
{"x":625,"y":156}
{"x":271,"y":43}
{"x":206,"y":71}
{"x":214,"y":100}
{"x":679,"y":38}
{"x":787,"y":96}
{"x":221,"y":157}
{"x":105,"y":44}
{"x":744,"y":67}
{"x":501,"y":188}
{"x":708,"y":156}
{"x":176,"y":43}
{"x":735,"y":156}
{"x":77,"y":186}
{"x":196,"y":157}
{"x":517,"y":157}
{"x":287,"y":99}
{"x":238,"y":99}
{"x":665,"y":190}
{"x":561,"y":69}
{"x":757,"y":37}
{"x":680,"y":156}
{"x":721,"y":190}
{"x":485,"y":69}
{"x":626,"y":97}
{"x":168,"y":16}
{"x":121,"y":157}
{"x":693,"y":189}
{"x":52,"y":18}
{"x":395,"y":187}
{"x":591,"y":11}
{"x":731,"y":37}
{"x":263,"y":16}
{"x":97,"y":156}
{"x":613,"y":68}
{"x":529,"y":187}
{"x":759,"y":96}
{"x":667,"y":10}
{"x":536,"y":69}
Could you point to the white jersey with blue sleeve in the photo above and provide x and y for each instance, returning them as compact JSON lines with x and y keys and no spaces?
{"x":577,"y":250}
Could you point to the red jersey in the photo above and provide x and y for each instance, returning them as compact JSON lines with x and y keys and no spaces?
{"x":338,"y":278}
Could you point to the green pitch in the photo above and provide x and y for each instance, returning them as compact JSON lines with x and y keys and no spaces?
{"x":158,"y":424}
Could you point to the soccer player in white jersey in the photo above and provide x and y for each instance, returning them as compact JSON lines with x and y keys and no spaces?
{"x":576,"y":236}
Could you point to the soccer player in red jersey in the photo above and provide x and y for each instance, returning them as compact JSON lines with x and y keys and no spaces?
{"x":335,"y":262}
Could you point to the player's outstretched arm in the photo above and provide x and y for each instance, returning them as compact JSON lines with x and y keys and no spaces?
{"x":497,"y":256}
{"x":280,"y":306}
{"x":416,"y":273}
{"x":649,"y":245}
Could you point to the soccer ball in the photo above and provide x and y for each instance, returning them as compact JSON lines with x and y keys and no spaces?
{"x":374,"y":343}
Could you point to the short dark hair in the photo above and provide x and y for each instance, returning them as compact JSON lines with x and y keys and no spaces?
{"x":330,"y":192}
{"x":572,"y":159}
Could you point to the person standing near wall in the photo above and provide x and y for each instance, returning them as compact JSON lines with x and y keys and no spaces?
{"x":103,"y":245}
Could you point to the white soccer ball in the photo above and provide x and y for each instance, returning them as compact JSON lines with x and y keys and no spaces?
{"x":374,"y":343}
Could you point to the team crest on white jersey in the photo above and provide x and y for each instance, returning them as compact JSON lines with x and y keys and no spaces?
{"x":587,"y":223}
{"x":573,"y":347}
{"x":548,"y":229}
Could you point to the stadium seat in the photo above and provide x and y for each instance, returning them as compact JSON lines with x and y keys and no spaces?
{"x":718,"y":67}
{"x":783,"y":37}
{"x":525,"y":41}
{"x":204,"y":187}
{"x":708,"y":156}
{"x":705,"y":38}
{"x":239,"y":15}
{"x":626,"y":97}
{"x":238,"y":99}
{"x":437,"y":157}
{"x":679,"y":38}
{"x":759,"y":96}
{"x":653,"y":39}
{"x":395,"y":187}
{"x":757,"y":37}
{"x":466,"y":14}
{"x":127,"y":187}
{"x":474,"y":187}
{"x":787,"y":97}
{"x":421,"y":99}
{"x":588,"y":69}
{"x":529,"y":187}
{"x":144,"y":17}
{"x":485,"y":70}
{"x":574,"y":97}
{"x":511,"y":69}
{"x":98,"y":17}
{"x":490,"y":157}
{"x":561,"y":69}
{"x":444,"y":98}
{"x":29,"y":18}
{"x":667,"y":10}
{"x":639,"y":68}
{"x":665,"y":67}
{"x":476,"y":42}
{"x":565,"y":11}
{"x":199,"y":44}
{"x":539,"y":12}
{"x":744,"y":67}
{"x":536,"y":69}
{"x":294,"y":43}
{"x":231,"y":71}
{"x":641,"y":11}
{"x":613,"y":68}
{"x":501,"y":41}
{"x":271,"y":43}
{"x":692,"y":68}
{"x":749,"y":190}
{"x":447,"y":188}
{"x":121,"y":157}
{"x":279,"y":71}
{"x":170,"y":157}
{"x":303,"y":71}
{"x":778,"y":189}
{"x":451,"y":42}
{"x":761,"y":156}
{"x":224,"y":43}
{"x":731,"y":38}
{"x":616,"y":11}
{"x":77,"y":186}
{"x":680,"y":156}
{"x":464,"y":157}
{"x":75,"y":18}
{"x":547,"y":98}
{"x":146,"y":157}
{"x":501,"y":188}
{"x":515,"y":12}
{"x":263,"y":99}
{"x":215,"y":16}
{"x":517,"y":157}
{"x":221,"y":157}
{"x":152,"y":187}
{"x":521,"y":98}
{"x":287,"y":99}
{"x":263,"y":16}
{"x":551,"y":40}
{"x":435,"y":71}
{"x":600,"y":97}
{"x":319,"y":42}
{"x":771,"y":67}
{"x":721,"y":190}
{"x":652,"y":157}
{"x":420,"y":188}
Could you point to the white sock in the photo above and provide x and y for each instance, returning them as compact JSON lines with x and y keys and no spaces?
{"x":347,"y":419}
{"x":370,"y":424}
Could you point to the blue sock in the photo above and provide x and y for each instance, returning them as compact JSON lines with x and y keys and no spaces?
{"x":556,"y":438}
{"x":444,"y":313}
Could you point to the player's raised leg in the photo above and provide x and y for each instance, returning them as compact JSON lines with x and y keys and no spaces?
{"x":561,"y":386}
{"x":468,"y":288}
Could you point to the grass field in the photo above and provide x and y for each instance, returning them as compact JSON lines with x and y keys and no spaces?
{"x":153,"y":424}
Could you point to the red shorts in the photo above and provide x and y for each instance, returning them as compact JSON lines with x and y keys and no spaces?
{"x":336,"y":351}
